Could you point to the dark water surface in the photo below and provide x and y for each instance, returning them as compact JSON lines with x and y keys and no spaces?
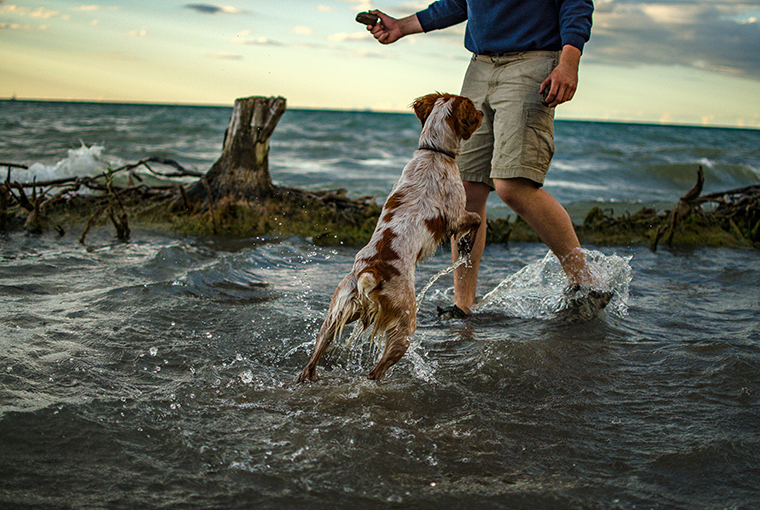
{"x":158,"y":373}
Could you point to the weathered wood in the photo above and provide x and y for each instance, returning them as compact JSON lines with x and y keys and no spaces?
{"x":242,"y":171}
{"x":686,"y":206}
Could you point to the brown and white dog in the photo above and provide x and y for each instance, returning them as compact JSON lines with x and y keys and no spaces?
{"x":426,"y":206}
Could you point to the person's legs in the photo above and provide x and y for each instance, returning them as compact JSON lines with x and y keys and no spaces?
{"x":511,"y":152}
{"x":549,"y":220}
{"x":466,"y":275}
{"x":475,"y":166}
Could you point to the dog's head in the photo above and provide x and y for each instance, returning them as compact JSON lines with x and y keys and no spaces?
{"x":463,"y":117}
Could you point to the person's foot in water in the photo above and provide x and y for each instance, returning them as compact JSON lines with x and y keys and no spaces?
{"x":583,"y":303}
{"x":452,"y":312}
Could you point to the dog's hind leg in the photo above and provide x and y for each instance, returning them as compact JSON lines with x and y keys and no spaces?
{"x":396,"y":344}
{"x":327,"y":332}
{"x":401,"y":321}
{"x":343,"y":310}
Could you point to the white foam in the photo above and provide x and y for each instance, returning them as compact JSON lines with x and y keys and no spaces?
{"x":82,"y":162}
{"x":537,"y":290}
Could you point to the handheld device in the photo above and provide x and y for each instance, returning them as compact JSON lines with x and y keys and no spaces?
{"x":367,"y":18}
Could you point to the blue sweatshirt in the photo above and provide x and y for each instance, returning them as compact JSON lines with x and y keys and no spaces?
{"x":507,"y":26}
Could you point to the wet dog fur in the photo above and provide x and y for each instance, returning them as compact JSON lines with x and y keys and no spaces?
{"x":425,"y":207}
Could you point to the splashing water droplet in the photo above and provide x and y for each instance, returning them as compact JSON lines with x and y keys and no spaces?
{"x":247,"y":377}
{"x":421,"y":295}
{"x":537,"y":290}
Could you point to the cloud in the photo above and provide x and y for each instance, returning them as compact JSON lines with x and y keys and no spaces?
{"x":213,"y":9}
{"x":354,"y":36}
{"x":243,"y":38}
{"x":223,"y":55}
{"x":91,"y":8}
{"x":39,"y":12}
{"x":704,"y":34}
{"x":257,"y":41}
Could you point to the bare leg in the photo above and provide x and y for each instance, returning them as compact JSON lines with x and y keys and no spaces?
{"x":549,"y":220}
{"x":466,"y":276}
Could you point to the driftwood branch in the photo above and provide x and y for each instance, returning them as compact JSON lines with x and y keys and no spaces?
{"x":733,"y":208}
{"x":11,"y":166}
{"x":686,"y":206}
{"x":13,"y":193}
{"x":94,"y":183}
{"x":181,"y":171}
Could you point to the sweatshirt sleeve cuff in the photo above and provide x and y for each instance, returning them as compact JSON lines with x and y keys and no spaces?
{"x":572,"y":39}
{"x":426,"y":20}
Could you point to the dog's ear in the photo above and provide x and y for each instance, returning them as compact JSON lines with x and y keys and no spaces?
{"x":467,"y":118}
{"x":422,"y":106}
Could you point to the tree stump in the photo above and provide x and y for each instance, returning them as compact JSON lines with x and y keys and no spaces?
{"x":242,"y":171}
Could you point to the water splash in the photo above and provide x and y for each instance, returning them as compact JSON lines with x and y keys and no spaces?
{"x":421,"y":295}
{"x":534,"y":292}
{"x":537,"y":290}
{"x":82,"y":162}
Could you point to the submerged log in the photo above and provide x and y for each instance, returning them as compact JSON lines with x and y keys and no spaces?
{"x":242,"y":171}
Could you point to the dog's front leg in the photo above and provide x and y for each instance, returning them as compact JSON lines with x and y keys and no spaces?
{"x":465,"y":231}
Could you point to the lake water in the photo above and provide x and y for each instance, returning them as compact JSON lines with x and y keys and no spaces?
{"x":159,"y":372}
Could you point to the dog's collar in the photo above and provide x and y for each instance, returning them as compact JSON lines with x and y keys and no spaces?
{"x":436,"y":149}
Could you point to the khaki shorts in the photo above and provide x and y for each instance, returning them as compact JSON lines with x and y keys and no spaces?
{"x":516,"y":138}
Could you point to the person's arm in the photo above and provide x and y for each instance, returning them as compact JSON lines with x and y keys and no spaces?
{"x":563,"y":81}
{"x":438,"y":15}
{"x":390,"y":30}
{"x":575,"y":19}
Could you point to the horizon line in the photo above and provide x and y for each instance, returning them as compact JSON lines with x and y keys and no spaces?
{"x":14,"y":98}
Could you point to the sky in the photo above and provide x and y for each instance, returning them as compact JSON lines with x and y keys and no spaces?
{"x":693,"y":62}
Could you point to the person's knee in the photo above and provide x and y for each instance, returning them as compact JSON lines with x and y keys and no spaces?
{"x":516,"y":193}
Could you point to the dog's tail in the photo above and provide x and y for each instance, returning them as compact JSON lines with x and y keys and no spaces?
{"x":351,"y":302}
{"x":367,"y":283}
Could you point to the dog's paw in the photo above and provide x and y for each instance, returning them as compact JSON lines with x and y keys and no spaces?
{"x":465,"y":244}
{"x":309,"y":374}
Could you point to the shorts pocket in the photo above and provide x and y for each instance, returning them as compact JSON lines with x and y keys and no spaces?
{"x":538,"y":139}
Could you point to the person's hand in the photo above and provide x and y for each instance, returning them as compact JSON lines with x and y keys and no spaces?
{"x":390,"y":30}
{"x":563,"y":81}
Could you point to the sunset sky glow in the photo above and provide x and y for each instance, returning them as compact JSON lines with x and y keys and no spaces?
{"x":673,"y":61}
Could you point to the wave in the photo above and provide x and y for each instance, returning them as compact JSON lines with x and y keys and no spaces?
{"x":82,"y":162}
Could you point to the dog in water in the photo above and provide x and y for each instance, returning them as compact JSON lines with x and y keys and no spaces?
{"x":426,"y":206}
